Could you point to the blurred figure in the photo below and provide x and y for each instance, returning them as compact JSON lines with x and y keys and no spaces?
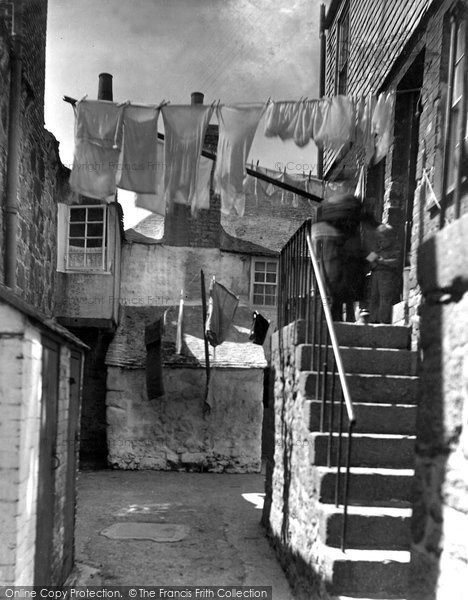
{"x":368,"y":230}
{"x":384,"y":277}
{"x":337,"y":241}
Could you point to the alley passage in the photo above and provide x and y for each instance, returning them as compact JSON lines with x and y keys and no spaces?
{"x":217,"y":517}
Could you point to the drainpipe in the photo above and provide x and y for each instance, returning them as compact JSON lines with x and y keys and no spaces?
{"x":321,"y":80}
{"x":13,"y":160}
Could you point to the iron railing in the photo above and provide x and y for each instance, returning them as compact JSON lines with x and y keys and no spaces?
{"x":303,"y":296}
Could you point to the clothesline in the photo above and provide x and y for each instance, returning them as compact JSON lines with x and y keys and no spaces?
{"x":316,"y":197}
{"x":115,"y":144}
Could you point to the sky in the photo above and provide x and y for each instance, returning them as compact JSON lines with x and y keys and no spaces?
{"x":231,"y":50}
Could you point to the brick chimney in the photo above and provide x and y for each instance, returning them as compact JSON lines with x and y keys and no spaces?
{"x":105,"y":87}
{"x":204,"y":230}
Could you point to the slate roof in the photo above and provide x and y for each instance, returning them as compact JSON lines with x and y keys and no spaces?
{"x":151,"y":230}
{"x":127,"y":349}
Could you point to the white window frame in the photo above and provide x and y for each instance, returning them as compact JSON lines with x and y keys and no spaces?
{"x":342,"y":49}
{"x":263,"y":259}
{"x":456,"y":104}
{"x":85,"y":269}
{"x":7,"y":12}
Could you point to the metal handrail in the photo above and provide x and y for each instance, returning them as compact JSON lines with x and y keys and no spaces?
{"x":302,"y":294}
{"x":332,"y":333}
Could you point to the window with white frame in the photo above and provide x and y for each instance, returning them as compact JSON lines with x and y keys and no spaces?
{"x":342,"y":51}
{"x":7,"y":14}
{"x":456,"y":102}
{"x":86,"y":238}
{"x":264,"y":282}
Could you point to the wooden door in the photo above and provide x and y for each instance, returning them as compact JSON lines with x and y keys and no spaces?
{"x":47,"y":463}
{"x":72,"y":464}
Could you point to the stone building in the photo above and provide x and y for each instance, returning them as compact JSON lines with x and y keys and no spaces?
{"x":417,"y":49}
{"x":40,"y":361}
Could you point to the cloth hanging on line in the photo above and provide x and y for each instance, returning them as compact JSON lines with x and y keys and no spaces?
{"x":338,"y":123}
{"x":291,"y":120}
{"x":98,"y":139}
{"x":259,"y":328}
{"x":364,"y":135}
{"x":222,"y":306}
{"x":185,"y":128}
{"x":237,"y":127}
{"x":382,"y":121}
{"x":157,"y":202}
{"x":140,"y":166}
{"x":154,"y":372}
{"x":360,"y":191}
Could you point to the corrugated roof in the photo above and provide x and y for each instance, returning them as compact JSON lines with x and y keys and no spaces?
{"x":128,"y":349}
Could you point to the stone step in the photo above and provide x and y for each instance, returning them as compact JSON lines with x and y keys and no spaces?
{"x":368,"y":487}
{"x":382,"y":361}
{"x":367,"y":527}
{"x":385,"y":389}
{"x":370,"y":418}
{"x":373,"y":336}
{"x":367,"y":573}
{"x":365,"y":336}
{"x":378,"y":450}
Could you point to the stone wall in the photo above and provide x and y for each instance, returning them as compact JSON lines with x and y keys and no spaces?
{"x":174,"y":432}
{"x":291,"y":513}
{"x":4,"y":104}
{"x":440,"y":517}
{"x":42,"y":177}
{"x":154,"y":274}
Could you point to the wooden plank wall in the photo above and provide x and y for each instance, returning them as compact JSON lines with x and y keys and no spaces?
{"x":378,"y":33}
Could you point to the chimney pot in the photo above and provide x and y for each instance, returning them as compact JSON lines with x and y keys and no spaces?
{"x":105,"y":87}
{"x":197,"y":97}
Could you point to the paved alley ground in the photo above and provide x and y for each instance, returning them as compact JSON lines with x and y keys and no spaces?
{"x":219,"y":515}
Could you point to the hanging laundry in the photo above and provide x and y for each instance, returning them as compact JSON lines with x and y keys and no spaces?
{"x":216,"y":388}
{"x":140,"y":166}
{"x":382,"y":124}
{"x":98,"y":139}
{"x":281,"y":119}
{"x":201,"y":199}
{"x":304,"y":128}
{"x":185,"y":128}
{"x":338,"y":123}
{"x":259,"y":328}
{"x":249,"y":185}
{"x":364,"y":137}
{"x":222,"y":306}
{"x":154,"y":372}
{"x":157,"y":202}
{"x":360,"y":191}
{"x":237,"y":127}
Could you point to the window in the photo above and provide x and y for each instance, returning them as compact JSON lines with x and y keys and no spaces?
{"x":455,"y":102}
{"x":86,"y":240}
{"x":455,"y":114}
{"x":342,"y":51}
{"x":264,"y":282}
{"x":7,"y":14}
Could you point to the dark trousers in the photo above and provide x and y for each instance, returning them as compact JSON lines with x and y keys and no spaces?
{"x":383,"y":283}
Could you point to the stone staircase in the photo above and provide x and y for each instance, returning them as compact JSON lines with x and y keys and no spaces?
{"x":383,"y":387}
